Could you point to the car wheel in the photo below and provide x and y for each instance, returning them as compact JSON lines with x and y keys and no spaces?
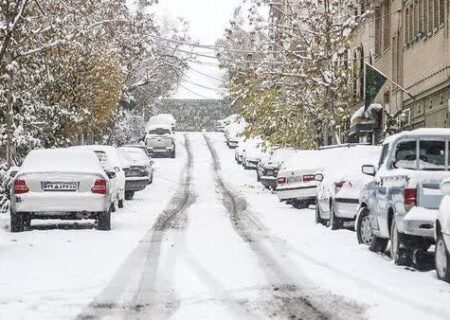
{"x":258,"y":177}
{"x":172,"y":154}
{"x":317,"y":218}
{"x":401,"y":256}
{"x":378,"y":244}
{"x":104,"y":220}
{"x":26,"y":220}
{"x":16,"y":222}
{"x":442,"y":259}
{"x":151,"y":179}
{"x":129,"y":195}
{"x":363,"y":227}
{"x":335,"y":222}
{"x":120,"y":204}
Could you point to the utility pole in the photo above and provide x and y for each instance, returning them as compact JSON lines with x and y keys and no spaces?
{"x":9,"y":115}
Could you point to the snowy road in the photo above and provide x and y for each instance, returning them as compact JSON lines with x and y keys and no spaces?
{"x":207,"y":242}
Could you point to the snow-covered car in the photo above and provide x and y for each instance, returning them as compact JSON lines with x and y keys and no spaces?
{"x":338,"y":193}
{"x":442,"y":235}
{"x":233,"y":132}
{"x":296,"y":180}
{"x":252,"y":154}
{"x":239,"y":151}
{"x":402,"y":201}
{"x":160,"y":140}
{"x":61,"y":184}
{"x":140,"y":146}
{"x":268,"y":167}
{"x":162,"y":119}
{"x":111,"y":162}
{"x":220,"y":125}
{"x":138,"y":170}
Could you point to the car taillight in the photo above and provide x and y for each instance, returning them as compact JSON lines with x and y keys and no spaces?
{"x":309,"y":177}
{"x":99,"y":186}
{"x":20,"y":186}
{"x":410,"y":197}
{"x":281,"y":180}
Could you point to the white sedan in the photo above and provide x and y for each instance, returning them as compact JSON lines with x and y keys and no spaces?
{"x":61,"y":184}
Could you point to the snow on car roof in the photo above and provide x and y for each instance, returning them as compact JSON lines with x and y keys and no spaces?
{"x":61,"y":160}
{"x":418,"y":132}
{"x":111,"y":151}
{"x":134,"y":153}
{"x":159,"y":126}
{"x":348,"y":162}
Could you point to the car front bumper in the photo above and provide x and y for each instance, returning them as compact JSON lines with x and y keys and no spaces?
{"x":232,"y":144}
{"x":60,"y":203}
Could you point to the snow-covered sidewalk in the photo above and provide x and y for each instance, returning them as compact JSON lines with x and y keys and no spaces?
{"x":334,"y":260}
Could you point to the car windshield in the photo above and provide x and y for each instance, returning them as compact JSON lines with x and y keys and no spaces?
{"x":159,"y":131}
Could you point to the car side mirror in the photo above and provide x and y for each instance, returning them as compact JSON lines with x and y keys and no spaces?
{"x":152,"y":162}
{"x":116,"y":169}
{"x":111,"y":174}
{"x":445,"y":187}
{"x":318,"y":177}
{"x":369,"y":170}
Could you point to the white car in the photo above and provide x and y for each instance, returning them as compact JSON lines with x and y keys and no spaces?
{"x":138,"y":170}
{"x":160,"y":140}
{"x":296,"y":180}
{"x":233,"y":132}
{"x":270,"y":164}
{"x":252,"y":154}
{"x":442,"y":234}
{"x":338,"y":193}
{"x":61,"y":184}
{"x":110,"y":160}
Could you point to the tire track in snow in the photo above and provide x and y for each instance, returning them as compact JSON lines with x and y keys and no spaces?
{"x":137,"y":276}
{"x":286,"y":299}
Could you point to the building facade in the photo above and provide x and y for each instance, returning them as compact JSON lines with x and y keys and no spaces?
{"x":412,"y":48}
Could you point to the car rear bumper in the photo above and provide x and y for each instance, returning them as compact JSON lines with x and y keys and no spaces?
{"x":251,"y":164}
{"x":346,"y":208}
{"x":136,"y":183}
{"x":61,"y":203}
{"x":297,"y":193}
{"x":160,"y":149}
{"x":419,"y":222}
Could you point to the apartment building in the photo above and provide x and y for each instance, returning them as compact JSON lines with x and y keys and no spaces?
{"x":412,"y":48}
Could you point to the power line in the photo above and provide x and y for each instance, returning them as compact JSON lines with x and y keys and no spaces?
{"x":204,"y":74}
{"x":193,"y":92}
{"x":205,"y":87}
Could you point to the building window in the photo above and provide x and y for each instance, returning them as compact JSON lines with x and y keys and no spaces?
{"x":420,"y":16}
{"x":442,"y":12}
{"x":387,"y":23}
{"x":377,"y":30}
{"x":411,"y":24}
{"x":361,"y":73}
{"x":436,"y":13}
{"x":430,"y":15}
{"x":425,"y":16}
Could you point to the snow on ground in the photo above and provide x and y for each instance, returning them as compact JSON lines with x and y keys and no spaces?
{"x":205,"y":259}
{"x":334,"y":260}
{"x":51,"y":273}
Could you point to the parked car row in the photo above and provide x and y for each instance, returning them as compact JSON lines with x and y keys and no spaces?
{"x":397,"y":193}
{"x":82,"y":182}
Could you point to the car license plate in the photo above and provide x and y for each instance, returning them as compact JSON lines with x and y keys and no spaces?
{"x":59,"y":186}
{"x":294,"y":179}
